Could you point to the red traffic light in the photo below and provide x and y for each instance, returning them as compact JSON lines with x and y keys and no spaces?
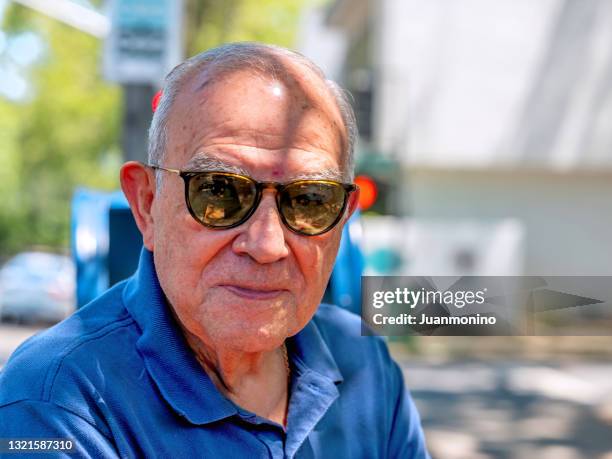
{"x":368,"y":191}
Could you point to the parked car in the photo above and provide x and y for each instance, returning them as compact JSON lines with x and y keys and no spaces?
{"x":37,"y":287}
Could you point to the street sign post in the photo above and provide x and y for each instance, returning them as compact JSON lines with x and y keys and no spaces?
{"x":144,"y":42}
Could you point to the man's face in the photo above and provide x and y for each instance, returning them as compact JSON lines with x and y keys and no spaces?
{"x":249,"y":287}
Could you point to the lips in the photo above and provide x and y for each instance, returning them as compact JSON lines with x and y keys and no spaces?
{"x":253,"y":293}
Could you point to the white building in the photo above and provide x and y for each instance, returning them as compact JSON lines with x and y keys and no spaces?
{"x":500,"y":115}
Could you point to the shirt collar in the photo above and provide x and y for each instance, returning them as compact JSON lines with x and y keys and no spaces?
{"x":178,"y":375}
{"x":309,"y":350}
{"x":180,"y":378}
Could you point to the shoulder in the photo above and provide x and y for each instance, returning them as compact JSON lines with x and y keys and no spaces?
{"x":367,"y":368}
{"x":64,"y":361}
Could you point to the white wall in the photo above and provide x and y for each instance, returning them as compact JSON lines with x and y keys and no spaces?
{"x":501,"y":110}
{"x":481,"y":83}
{"x":566,"y":220}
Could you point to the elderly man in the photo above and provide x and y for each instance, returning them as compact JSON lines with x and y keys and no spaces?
{"x":217,"y":347}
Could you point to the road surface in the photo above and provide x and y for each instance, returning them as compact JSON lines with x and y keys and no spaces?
{"x":514,"y":409}
{"x":493,"y":409}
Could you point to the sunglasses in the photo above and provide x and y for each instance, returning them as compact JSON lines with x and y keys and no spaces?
{"x":221,"y":200}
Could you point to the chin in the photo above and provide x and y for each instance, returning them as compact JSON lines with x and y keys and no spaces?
{"x":251,"y":333}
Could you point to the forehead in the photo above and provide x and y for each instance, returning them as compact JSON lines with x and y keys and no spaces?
{"x":254,"y":120}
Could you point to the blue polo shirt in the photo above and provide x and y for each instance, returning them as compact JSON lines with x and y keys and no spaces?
{"x":118,"y":379}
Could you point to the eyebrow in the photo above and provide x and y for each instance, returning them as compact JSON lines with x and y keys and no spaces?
{"x":327,"y":174}
{"x":203,"y":161}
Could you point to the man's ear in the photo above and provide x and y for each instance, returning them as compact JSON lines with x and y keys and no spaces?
{"x":138,"y":185}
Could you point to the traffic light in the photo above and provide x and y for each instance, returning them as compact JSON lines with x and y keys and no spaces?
{"x":368,"y":191}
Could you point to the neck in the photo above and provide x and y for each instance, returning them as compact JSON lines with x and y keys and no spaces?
{"x":230,"y":366}
{"x":256,"y":381}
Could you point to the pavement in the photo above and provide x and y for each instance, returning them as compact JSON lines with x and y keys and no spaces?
{"x":492,"y":408}
{"x":514,"y":409}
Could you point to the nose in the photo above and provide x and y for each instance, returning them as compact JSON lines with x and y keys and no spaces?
{"x":263,"y":238}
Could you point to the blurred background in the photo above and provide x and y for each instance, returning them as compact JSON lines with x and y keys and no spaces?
{"x":485,"y":149}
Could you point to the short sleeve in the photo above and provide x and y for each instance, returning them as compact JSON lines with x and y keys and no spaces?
{"x":406,"y":439}
{"x":29,"y":419}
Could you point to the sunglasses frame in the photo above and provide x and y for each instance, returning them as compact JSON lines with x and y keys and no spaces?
{"x":259,"y":189}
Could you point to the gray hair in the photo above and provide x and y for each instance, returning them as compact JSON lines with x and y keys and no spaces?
{"x":238,"y":56}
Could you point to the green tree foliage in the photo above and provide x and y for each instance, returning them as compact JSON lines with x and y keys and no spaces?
{"x":64,"y":136}
{"x":212,"y":22}
{"x":67,"y":133}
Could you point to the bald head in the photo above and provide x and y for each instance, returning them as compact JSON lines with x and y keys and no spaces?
{"x":296,"y":77}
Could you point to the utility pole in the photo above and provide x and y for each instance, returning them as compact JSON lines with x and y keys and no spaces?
{"x":136,"y":120}
{"x":143,"y":44}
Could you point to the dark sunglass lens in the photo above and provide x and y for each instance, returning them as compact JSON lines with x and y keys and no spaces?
{"x":312,"y":207}
{"x":221,"y":200}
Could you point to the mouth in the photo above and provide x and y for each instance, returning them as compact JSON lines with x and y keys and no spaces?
{"x":251,"y":293}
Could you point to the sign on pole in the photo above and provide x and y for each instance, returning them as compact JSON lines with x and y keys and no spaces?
{"x":145,"y":40}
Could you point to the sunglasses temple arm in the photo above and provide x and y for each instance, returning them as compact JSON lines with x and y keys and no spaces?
{"x":173,"y":171}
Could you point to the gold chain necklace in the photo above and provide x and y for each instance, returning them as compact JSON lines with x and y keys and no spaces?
{"x":286,"y":357}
